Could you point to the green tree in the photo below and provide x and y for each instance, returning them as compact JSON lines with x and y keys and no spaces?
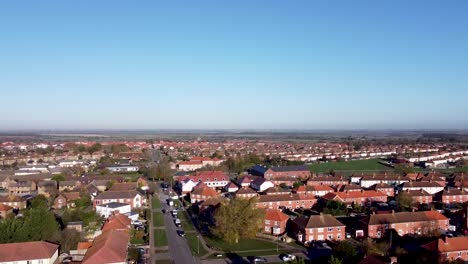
{"x":163,"y":171}
{"x":67,"y":238}
{"x":335,"y":208}
{"x":334,"y":260}
{"x":94,"y":148}
{"x":40,"y":201}
{"x":58,"y":177}
{"x":404,"y":201}
{"x":346,"y":251}
{"x":236,"y":219}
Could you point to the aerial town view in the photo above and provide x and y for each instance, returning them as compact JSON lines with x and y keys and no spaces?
{"x":225,"y":132}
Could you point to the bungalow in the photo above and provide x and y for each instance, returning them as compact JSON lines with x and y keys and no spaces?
{"x":449,"y":249}
{"x":293,"y":200}
{"x":317,"y":228}
{"x":299,"y":172}
{"x":275,"y":222}
{"x":117,"y":222}
{"x":133,"y":198}
{"x":406,"y":223}
{"x":261,"y":184}
{"x":29,"y":252}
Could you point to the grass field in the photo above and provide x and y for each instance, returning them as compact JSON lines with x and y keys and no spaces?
{"x":156,"y":203}
{"x":193,"y":244}
{"x":243,"y":245}
{"x":160,"y":238}
{"x":351,"y":166}
{"x":186,"y":222}
{"x":158,"y":219}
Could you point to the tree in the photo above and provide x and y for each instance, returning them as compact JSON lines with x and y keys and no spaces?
{"x":335,"y":208}
{"x":370,"y":247}
{"x":94,"y":148}
{"x":40,"y":201}
{"x":236,"y":219}
{"x":334,"y":260}
{"x":404,"y":201}
{"x":163,"y":171}
{"x":67,"y":238}
{"x":58,"y":177}
{"x":345,"y":251}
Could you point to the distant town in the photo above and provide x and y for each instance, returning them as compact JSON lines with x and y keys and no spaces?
{"x":354,"y":199}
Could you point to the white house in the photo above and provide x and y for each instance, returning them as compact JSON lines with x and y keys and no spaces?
{"x":430,"y":187}
{"x":29,"y":253}
{"x":187,"y":185}
{"x":108,"y":209}
{"x":123,"y":168}
{"x":261,"y":184}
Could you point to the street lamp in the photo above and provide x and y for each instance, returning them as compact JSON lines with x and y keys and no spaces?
{"x":198,"y":244}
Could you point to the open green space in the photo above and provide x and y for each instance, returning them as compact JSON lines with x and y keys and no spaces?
{"x":156,"y":203}
{"x":243,"y":245}
{"x":158,"y":219}
{"x":187,"y":224}
{"x":197,"y":249}
{"x":351,"y":166}
{"x":160,"y":238}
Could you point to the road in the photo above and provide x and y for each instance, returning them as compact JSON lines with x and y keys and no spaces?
{"x":178,"y":247}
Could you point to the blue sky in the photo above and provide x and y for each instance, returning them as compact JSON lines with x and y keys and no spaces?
{"x":234,"y":64}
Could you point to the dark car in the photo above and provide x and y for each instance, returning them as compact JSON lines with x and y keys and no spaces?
{"x":181,"y":233}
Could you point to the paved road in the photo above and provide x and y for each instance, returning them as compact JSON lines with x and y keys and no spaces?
{"x":178,"y":247}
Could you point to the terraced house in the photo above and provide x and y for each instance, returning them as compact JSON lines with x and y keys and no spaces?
{"x":291,"y":201}
{"x":317,"y":228}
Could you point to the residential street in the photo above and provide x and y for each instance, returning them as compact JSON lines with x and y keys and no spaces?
{"x":178,"y":247}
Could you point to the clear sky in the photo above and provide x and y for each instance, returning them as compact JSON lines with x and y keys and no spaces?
{"x":234,"y":64}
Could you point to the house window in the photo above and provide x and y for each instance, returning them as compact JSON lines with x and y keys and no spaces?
{"x":330,"y":237}
{"x":215,"y":179}
{"x":459,"y":254}
{"x":40,"y":261}
{"x":330,"y":229}
{"x":320,"y":230}
{"x":339,"y":236}
{"x":267,"y":222}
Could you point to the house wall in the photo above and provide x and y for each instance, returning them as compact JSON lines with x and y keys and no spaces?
{"x":377,"y":231}
{"x":287,"y":204}
{"x":269,"y":224}
{"x":453,"y":256}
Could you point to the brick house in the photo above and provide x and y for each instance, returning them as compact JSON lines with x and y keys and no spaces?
{"x":261,"y":184}
{"x":275,"y":222}
{"x":449,"y":196}
{"x":315,"y":190}
{"x":430,"y":187}
{"x":22,"y":187}
{"x":246,"y":192}
{"x":66,"y":199}
{"x":47,"y":188}
{"x":202,"y":193}
{"x":449,"y":249}
{"x":406,"y":223}
{"x":299,"y":172}
{"x":367,"y":181}
{"x":327,"y":180}
{"x":361,"y":198}
{"x":317,"y":228}
{"x":213,"y":179}
{"x":13,"y":201}
{"x":291,"y":201}
{"x":5,"y":210}
{"x":385,"y":188}
{"x":419,"y":196}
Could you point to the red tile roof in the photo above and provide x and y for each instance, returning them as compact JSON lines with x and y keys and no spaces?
{"x":275,"y":215}
{"x":447,"y":244}
{"x":27,"y":251}
{"x":117,"y":222}
{"x":5,"y":208}
{"x":110,"y":247}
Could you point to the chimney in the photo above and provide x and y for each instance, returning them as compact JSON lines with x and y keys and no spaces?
{"x":444,"y":238}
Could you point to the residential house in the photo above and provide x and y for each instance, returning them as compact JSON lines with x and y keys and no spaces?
{"x":245,"y":181}
{"x":21,"y":187}
{"x":14,"y":201}
{"x":275,"y":222}
{"x":430,"y":187}
{"x":117,"y":222}
{"x":124,"y":186}
{"x":47,"y":188}
{"x":186,"y":185}
{"x":29,"y":252}
{"x":261,"y":184}
{"x":361,"y":198}
{"x":327,"y":180}
{"x":277,"y":191}
{"x":231,"y":187}
{"x":449,"y":249}
{"x":315,"y":190}
{"x":452,"y":195}
{"x":406,"y":223}
{"x":109,"y":209}
{"x":109,"y":247}
{"x":5,"y":210}
{"x":291,"y":201}
{"x":202,"y":193}
{"x":213,"y":179}
{"x":68,"y":185}
{"x":317,"y":228}
{"x":189,"y":165}
{"x":298,"y":172}
{"x":419,"y":196}
{"x":133,"y":198}
{"x":384,"y":188}
{"x":367,"y":181}
{"x":66,"y":199}
{"x":246,"y":192}
{"x":123,"y":168}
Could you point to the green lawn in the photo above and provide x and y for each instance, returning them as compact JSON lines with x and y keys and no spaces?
{"x":186,"y":222}
{"x":158,"y":219}
{"x":160,"y":238}
{"x":193,"y":244}
{"x":156,"y":203}
{"x":353,"y":165}
{"x":243,"y":245}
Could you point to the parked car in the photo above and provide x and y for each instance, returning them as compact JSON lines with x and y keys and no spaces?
{"x":287,"y":257}
{"x":181,"y":233}
{"x":254,"y":259}
{"x":177,"y":222}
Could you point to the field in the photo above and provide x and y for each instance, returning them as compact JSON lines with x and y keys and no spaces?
{"x":350,"y":166}
{"x":160,"y":238}
{"x":243,"y":245}
{"x":158,"y":219}
{"x":156,"y":203}
{"x":192,"y":241}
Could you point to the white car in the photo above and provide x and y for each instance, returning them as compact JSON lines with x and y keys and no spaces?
{"x":287,"y":257}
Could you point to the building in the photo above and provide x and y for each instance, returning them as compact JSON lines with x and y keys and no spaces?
{"x":109,"y":209}
{"x":419,"y":196}
{"x":315,"y":190}
{"x":213,"y":179}
{"x":449,"y":196}
{"x":406,"y":223}
{"x":66,"y":199}
{"x":29,"y":253}
{"x":47,"y":188}
{"x":327,"y":180}
{"x":317,"y":228}
{"x":361,"y":198}
{"x":133,"y":198}
{"x":187,"y":185}
{"x":231,"y":187}
{"x":275,"y":222}
{"x":367,"y":181}
{"x":449,"y":249}
{"x":290,"y":201}
{"x":202,"y":193}
{"x":299,"y":172}
{"x":5,"y":210}
{"x":109,"y":247}
{"x":261,"y":184}
{"x":246,"y":192}
{"x":385,"y":188}
{"x":123,"y":168}
{"x":14,"y":201}
{"x":22,"y":188}
{"x":430,"y":187}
